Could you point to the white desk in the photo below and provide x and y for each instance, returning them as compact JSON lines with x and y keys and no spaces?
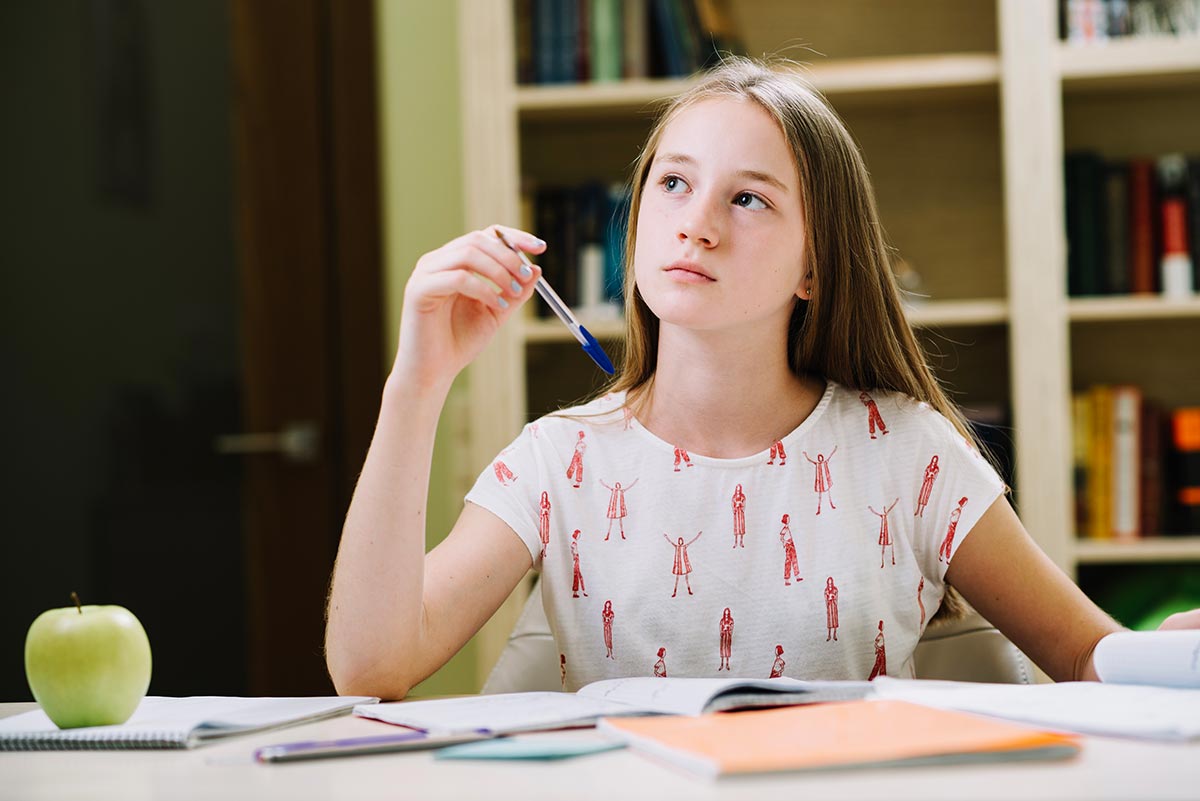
{"x":1106,"y":769}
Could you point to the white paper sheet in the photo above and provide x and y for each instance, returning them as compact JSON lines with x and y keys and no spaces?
{"x":1084,"y":707}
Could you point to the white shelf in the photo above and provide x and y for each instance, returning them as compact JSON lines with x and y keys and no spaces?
{"x":943,"y":313}
{"x":1130,"y":62}
{"x":940,"y":313}
{"x":847,"y":79}
{"x":1148,"y":549}
{"x":1131,"y":307}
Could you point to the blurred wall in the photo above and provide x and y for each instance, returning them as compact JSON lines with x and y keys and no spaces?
{"x":423,"y":209}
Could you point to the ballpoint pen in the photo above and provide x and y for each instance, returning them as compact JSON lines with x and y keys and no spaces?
{"x":354,"y":746}
{"x":590,"y":346}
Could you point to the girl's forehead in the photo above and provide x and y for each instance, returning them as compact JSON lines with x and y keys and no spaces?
{"x":730,"y":133}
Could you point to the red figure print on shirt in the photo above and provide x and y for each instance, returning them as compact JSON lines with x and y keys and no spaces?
{"x":562,"y":669}
{"x":823,"y":483}
{"x":660,"y":667}
{"x":791,"y":565}
{"x":931,"y":471}
{"x":777,"y":668}
{"x":831,"y":611}
{"x":739,"y":517}
{"x":885,"y":534}
{"x":726,"y":639}
{"x":777,"y":450}
{"x":921,"y":601}
{"x":544,"y":521}
{"x":682,"y":565}
{"x":681,"y":456}
{"x":575,"y":470}
{"x":627,"y":414}
{"x":607,"y":616}
{"x":533,"y":427}
{"x":503,"y":474}
{"x":874,"y":419}
{"x":948,"y":542}
{"x":577,"y":579}
{"x":880,"y":667}
{"x":616,"y":506}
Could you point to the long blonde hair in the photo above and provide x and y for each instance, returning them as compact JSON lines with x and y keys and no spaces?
{"x":853,"y":329}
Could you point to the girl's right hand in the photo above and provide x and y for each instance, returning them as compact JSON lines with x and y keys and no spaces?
{"x":451,"y":313}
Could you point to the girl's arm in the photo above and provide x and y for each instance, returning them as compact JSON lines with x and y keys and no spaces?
{"x":1003,"y":574}
{"x":395,"y":616}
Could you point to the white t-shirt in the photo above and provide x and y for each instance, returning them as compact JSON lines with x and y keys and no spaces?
{"x":655,"y":561}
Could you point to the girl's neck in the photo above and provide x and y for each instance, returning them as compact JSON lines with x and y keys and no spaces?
{"x":724,"y":396}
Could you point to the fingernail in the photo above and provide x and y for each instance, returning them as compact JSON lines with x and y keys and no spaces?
{"x":540,"y":243}
{"x":516,"y":288}
{"x":525,"y":271}
{"x":503,"y":303}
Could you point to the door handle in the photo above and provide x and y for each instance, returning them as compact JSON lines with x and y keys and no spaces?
{"x":296,"y":442}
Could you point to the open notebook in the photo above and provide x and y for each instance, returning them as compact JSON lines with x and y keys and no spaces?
{"x":161,"y":722}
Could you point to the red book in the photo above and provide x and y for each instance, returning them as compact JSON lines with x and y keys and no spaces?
{"x":1141,"y":226}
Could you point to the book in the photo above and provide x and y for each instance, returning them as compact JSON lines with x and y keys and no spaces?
{"x":1126,"y":462}
{"x":836,"y":735}
{"x":642,"y":695}
{"x":1141,"y":226}
{"x":1185,"y":440}
{"x":161,"y":722}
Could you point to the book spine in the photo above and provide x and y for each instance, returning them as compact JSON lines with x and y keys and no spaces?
{"x":523,"y":11}
{"x":1141,"y":226}
{"x":568,"y":41}
{"x":1117,"y":227}
{"x":1099,"y":477}
{"x":1192,"y":192}
{"x":606,"y":40}
{"x":545,"y":40}
{"x":1081,"y":440}
{"x":666,"y":38}
{"x":1185,"y":436}
{"x":583,"y":41}
{"x":1126,"y":462}
{"x":635,"y":23}
{"x":1152,"y":475}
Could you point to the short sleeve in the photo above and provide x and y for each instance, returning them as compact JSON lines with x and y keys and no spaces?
{"x":508,"y":488}
{"x":957,"y":485}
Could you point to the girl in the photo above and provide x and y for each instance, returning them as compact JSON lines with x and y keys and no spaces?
{"x":759,"y":304}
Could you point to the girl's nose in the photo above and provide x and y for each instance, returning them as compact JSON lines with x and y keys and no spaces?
{"x":699,"y":224}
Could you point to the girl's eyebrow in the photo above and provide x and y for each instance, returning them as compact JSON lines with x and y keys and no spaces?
{"x":756,"y":175}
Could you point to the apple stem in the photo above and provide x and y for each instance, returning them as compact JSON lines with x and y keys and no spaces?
{"x":75,"y":598}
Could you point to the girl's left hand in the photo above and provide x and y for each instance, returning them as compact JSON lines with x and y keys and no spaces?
{"x":1182,"y":620}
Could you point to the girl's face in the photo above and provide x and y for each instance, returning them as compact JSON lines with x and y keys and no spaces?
{"x":720,"y":232}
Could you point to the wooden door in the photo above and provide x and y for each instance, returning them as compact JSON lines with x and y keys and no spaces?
{"x":309,"y":255}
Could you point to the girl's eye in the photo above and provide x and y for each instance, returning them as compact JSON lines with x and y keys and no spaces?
{"x":745,"y":199}
{"x":672,"y":182}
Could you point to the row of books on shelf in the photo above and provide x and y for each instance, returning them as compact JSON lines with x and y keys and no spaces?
{"x":1136,"y":465}
{"x":1099,"y":20}
{"x":1133,"y":225}
{"x":585,"y":227}
{"x":576,"y":41}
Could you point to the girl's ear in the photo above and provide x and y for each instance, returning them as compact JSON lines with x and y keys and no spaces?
{"x":805,"y":290}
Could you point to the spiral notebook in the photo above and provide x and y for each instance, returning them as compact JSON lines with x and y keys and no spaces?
{"x":161,"y":722}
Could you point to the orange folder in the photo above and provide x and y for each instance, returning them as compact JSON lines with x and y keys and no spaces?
{"x":843,"y":734}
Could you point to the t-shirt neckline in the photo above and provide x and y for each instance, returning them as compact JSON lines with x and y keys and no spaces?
{"x":754,"y":458}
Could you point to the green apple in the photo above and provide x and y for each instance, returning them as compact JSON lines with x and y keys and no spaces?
{"x":87,"y":665}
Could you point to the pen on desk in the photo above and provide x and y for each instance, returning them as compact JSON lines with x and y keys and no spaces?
{"x":590,"y":346}
{"x":353,"y":746}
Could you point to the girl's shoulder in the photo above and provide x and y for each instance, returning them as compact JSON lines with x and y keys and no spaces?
{"x":891,"y":410}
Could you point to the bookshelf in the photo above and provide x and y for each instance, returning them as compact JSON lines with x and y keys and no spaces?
{"x":963,"y":109}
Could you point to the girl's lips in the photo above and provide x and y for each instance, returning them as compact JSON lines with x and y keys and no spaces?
{"x":689,"y":273}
